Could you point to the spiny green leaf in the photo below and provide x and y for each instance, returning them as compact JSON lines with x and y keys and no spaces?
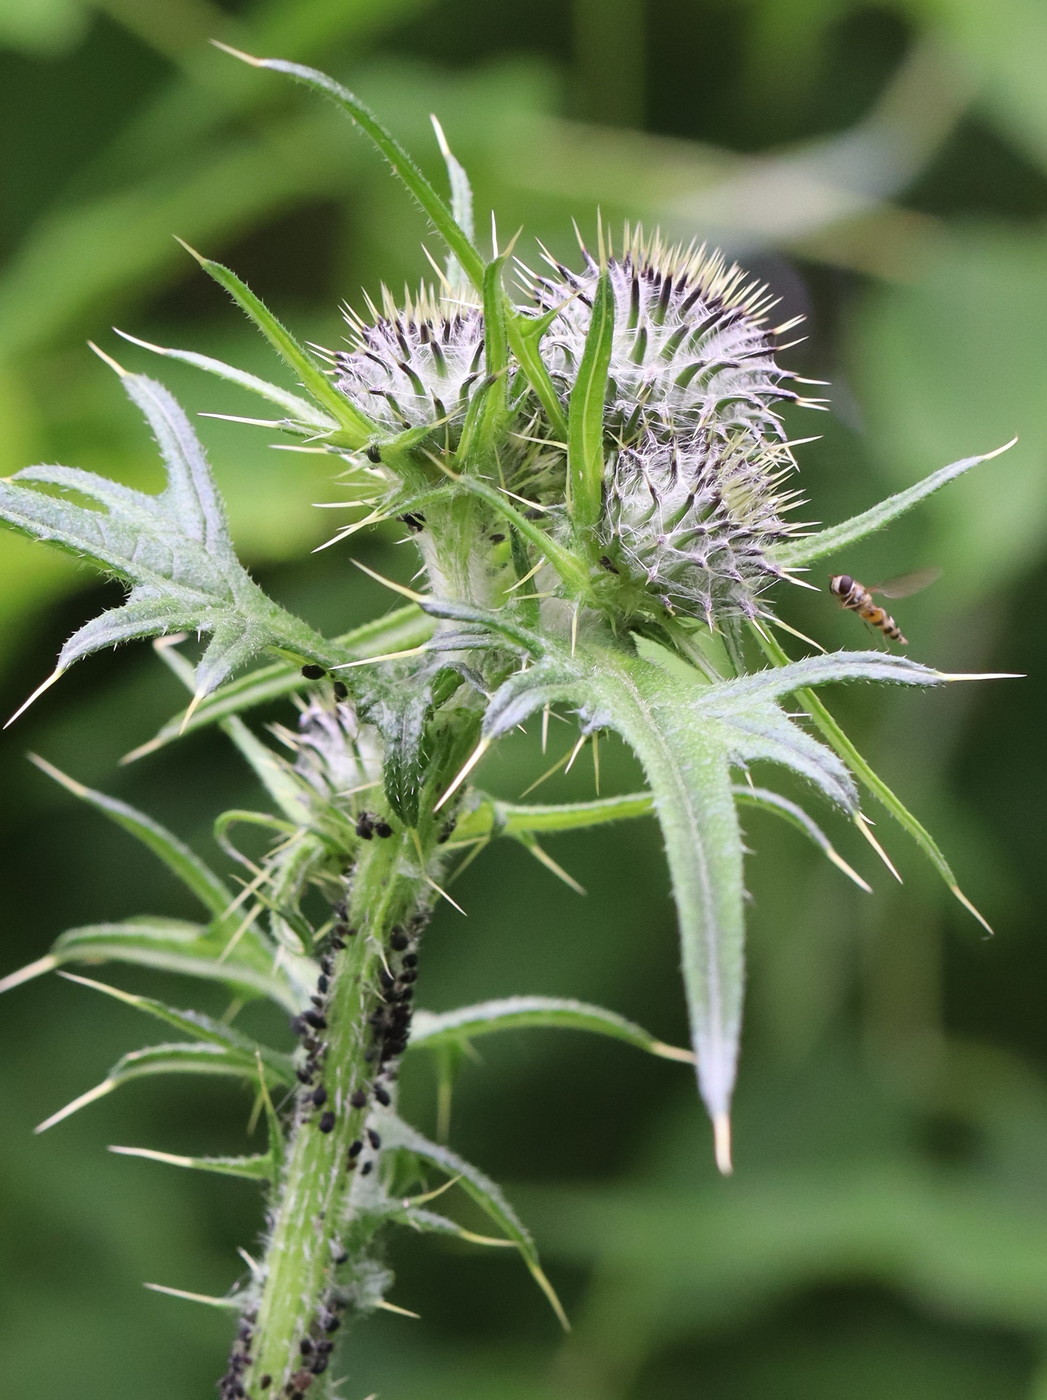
{"x":302,"y":411}
{"x":180,"y":1058}
{"x":461,"y":206}
{"x":483,"y":1191}
{"x":516,"y":699}
{"x":258,"y":1168}
{"x":400,"y":162}
{"x":796,"y":553}
{"x":278,"y":1067}
{"x":172,"y":549}
{"x":794,"y":814}
{"x":179,"y":859}
{"x":762,"y":731}
{"x":585,"y":418}
{"x":686,"y":763}
{"x":431,"y":1223}
{"x":247,"y":965}
{"x":399,"y":714}
{"x":274,"y":773}
{"x":832,"y":667}
{"x":432,"y":1029}
{"x":842,"y":745}
{"x":398,"y":631}
{"x":491,"y":816}
{"x":358,"y":429}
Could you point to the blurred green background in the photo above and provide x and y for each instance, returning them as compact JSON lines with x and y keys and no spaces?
{"x":885,"y":168}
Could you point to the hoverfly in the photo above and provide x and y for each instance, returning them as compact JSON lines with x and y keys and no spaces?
{"x":857,"y":598}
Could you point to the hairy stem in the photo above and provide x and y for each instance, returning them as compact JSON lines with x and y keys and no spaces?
{"x":330,"y":1194}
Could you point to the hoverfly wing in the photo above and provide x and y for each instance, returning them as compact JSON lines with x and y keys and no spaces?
{"x":906,"y":584}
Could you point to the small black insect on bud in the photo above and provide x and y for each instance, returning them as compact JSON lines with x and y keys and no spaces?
{"x":322,"y":984}
{"x":411,"y":960}
{"x":358,"y":1098}
{"x":497,"y":538}
{"x":314,"y":1019}
{"x":303,"y":1076}
{"x":341,"y":690}
{"x":382,"y":1095}
{"x":373,"y":452}
{"x":305,"y":1346}
{"x":313,"y":673}
{"x":264,"y":1382}
{"x":332,"y":1323}
{"x":365,"y":826}
{"x":446,"y":831}
{"x":374,"y":1139}
{"x":414,"y":521}
{"x":399,"y":940}
{"x":319,"y":1096}
{"x":367,"y":1169}
{"x":326,"y":1121}
{"x":382,"y":828}
{"x":409,"y":975}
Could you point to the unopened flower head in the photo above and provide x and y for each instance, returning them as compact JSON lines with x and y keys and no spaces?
{"x":415,"y":365}
{"x":696,"y":453}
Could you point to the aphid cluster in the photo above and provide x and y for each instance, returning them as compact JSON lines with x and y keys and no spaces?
{"x":313,"y":672}
{"x":368,"y":826}
{"x":315,"y":1346}
{"x":390,"y":1024}
{"x":231,"y":1386}
{"x":308,"y":1025}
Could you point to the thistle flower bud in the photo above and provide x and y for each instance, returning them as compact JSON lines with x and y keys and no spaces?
{"x":695,"y":451}
{"x":414,"y":365}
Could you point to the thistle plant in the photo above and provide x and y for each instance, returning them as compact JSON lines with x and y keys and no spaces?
{"x":593,"y":469}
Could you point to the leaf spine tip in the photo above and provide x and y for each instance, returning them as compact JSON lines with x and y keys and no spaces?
{"x":722,"y":1143}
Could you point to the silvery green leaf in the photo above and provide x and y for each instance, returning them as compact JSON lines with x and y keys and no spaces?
{"x":794,"y":554}
{"x":585,"y":418}
{"x":302,"y":411}
{"x":248,"y":966}
{"x":762,"y":731}
{"x":257,"y":1168}
{"x":398,"y":631}
{"x":173,"y":550}
{"x":516,"y":699}
{"x":175,"y":854}
{"x":769,"y":801}
{"x":831,"y":667}
{"x":483,"y":1191}
{"x":180,"y":1058}
{"x":432,"y":1029}
{"x":277,"y":1067}
{"x":461,"y":205}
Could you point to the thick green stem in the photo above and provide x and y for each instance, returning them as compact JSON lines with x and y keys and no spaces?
{"x":330,"y":1193}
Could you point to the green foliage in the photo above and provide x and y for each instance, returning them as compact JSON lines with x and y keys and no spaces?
{"x":924,"y":1183}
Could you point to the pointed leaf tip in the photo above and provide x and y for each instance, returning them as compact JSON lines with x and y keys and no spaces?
{"x":722,"y":1143}
{"x":238,"y":53}
{"x":107,"y":359}
{"x":55,"y":675}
